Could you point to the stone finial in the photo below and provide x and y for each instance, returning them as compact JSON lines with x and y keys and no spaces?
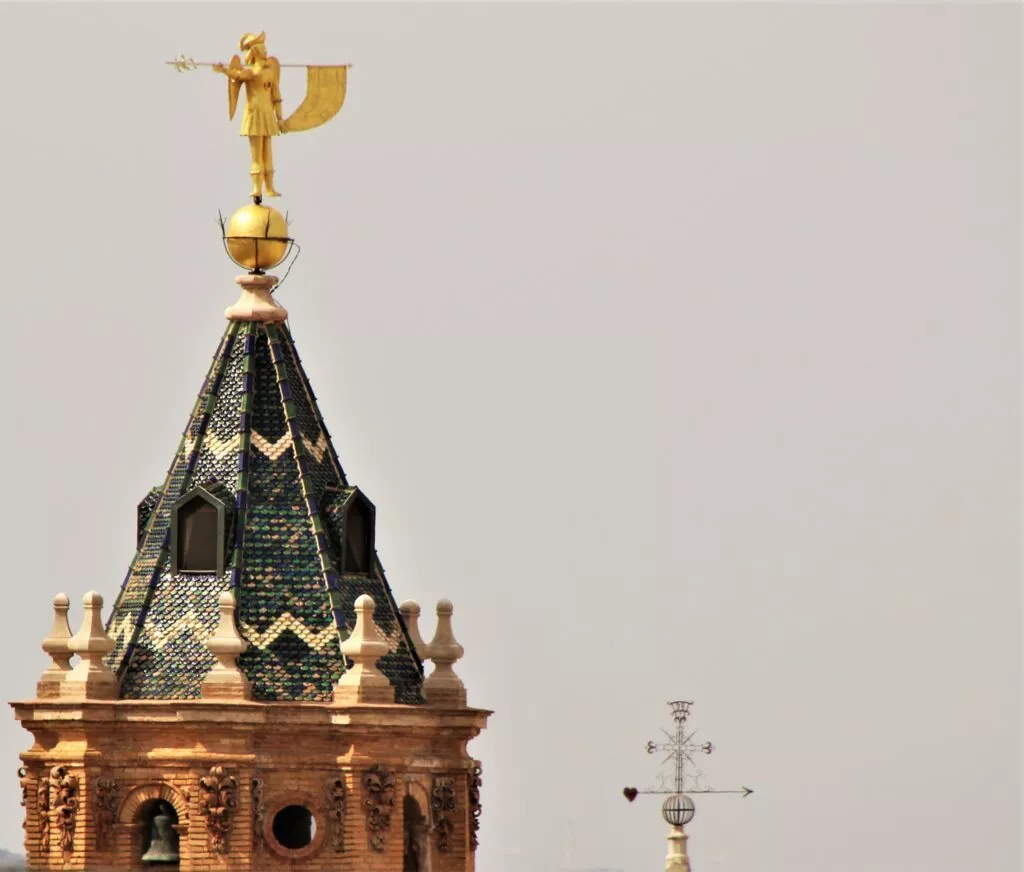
{"x":91,"y":678}
{"x":410,"y":611}
{"x":677,"y":859}
{"x":56,"y":645}
{"x":225,"y":680}
{"x":443,"y":686}
{"x":364,"y":682}
{"x":256,"y":302}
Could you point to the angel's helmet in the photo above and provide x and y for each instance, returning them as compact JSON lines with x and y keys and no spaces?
{"x":254,"y":45}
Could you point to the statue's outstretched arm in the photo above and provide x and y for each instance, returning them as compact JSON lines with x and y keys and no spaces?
{"x":239,"y":74}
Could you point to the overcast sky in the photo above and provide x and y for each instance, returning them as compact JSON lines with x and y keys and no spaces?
{"x":678,"y":345}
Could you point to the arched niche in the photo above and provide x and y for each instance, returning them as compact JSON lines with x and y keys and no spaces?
{"x":135,"y":822}
{"x":415,"y":833}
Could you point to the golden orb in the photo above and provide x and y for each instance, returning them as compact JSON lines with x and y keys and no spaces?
{"x":257,"y":237}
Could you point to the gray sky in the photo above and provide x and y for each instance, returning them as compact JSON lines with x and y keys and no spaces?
{"x":678,"y":345}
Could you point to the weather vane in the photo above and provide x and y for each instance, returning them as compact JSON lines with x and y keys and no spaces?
{"x":678,"y":808}
{"x":256,"y":237}
{"x":263,"y":119}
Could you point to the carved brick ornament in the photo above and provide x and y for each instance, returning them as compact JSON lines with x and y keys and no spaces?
{"x":43,"y":811}
{"x":442,"y":806}
{"x":336,"y":812}
{"x":65,"y":803}
{"x":26,"y":788}
{"x":475,"y":781}
{"x":216,"y":803}
{"x":106,"y":810}
{"x":25,"y":782}
{"x":259,"y":813}
{"x":379,"y":786}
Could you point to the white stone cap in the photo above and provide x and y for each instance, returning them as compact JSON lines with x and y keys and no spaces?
{"x":226,"y":640}
{"x":364,"y":683}
{"x":410,"y":611}
{"x":57,"y":641}
{"x":92,"y":637}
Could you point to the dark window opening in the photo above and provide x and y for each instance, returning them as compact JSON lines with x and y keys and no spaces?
{"x":294,"y":827}
{"x":198,"y":540}
{"x":358,"y":538}
{"x":415,"y":831}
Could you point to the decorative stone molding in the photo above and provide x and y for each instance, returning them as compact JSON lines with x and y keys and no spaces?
{"x":65,"y":804}
{"x":443,"y":687}
{"x":25,"y":782}
{"x":259,"y":814}
{"x":379,"y":803}
{"x":43,"y":812}
{"x":216,"y":803}
{"x":442,"y":808}
{"x":56,"y":645}
{"x":106,"y":813}
{"x":336,"y":812}
{"x":475,"y":782}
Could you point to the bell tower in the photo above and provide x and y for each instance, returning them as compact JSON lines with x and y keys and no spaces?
{"x":255,"y":698}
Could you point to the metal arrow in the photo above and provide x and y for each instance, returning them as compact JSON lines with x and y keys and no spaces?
{"x":631,"y":792}
{"x":746,"y":791}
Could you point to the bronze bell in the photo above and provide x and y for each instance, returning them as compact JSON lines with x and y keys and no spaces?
{"x":163,"y":840}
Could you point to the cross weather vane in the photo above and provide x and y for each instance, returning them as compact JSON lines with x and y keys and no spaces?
{"x":678,"y":807}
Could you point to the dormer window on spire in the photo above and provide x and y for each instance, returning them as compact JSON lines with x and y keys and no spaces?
{"x":200,"y":527}
{"x":349,"y":520}
{"x":359,"y":517}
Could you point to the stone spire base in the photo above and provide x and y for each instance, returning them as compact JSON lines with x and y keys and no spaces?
{"x":256,"y":304}
{"x":677,"y":859}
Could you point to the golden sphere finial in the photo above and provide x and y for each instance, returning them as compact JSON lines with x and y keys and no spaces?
{"x":256,"y":237}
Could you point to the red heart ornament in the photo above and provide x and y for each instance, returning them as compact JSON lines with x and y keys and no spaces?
{"x":629,"y":792}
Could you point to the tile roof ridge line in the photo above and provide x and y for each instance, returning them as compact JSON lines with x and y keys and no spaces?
{"x":392,"y":603}
{"x":241,"y":493}
{"x":396,"y":612}
{"x":307,"y":388}
{"x":327,"y":570}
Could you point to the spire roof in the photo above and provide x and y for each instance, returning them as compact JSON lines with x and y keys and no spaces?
{"x":297,"y":546}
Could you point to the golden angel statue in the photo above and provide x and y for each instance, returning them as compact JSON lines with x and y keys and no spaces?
{"x":262,"y":119}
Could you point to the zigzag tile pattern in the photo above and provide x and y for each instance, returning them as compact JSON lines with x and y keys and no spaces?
{"x":255,"y":429}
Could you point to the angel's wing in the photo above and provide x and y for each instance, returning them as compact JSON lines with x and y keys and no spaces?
{"x":234,"y":86}
{"x":325,"y":92}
